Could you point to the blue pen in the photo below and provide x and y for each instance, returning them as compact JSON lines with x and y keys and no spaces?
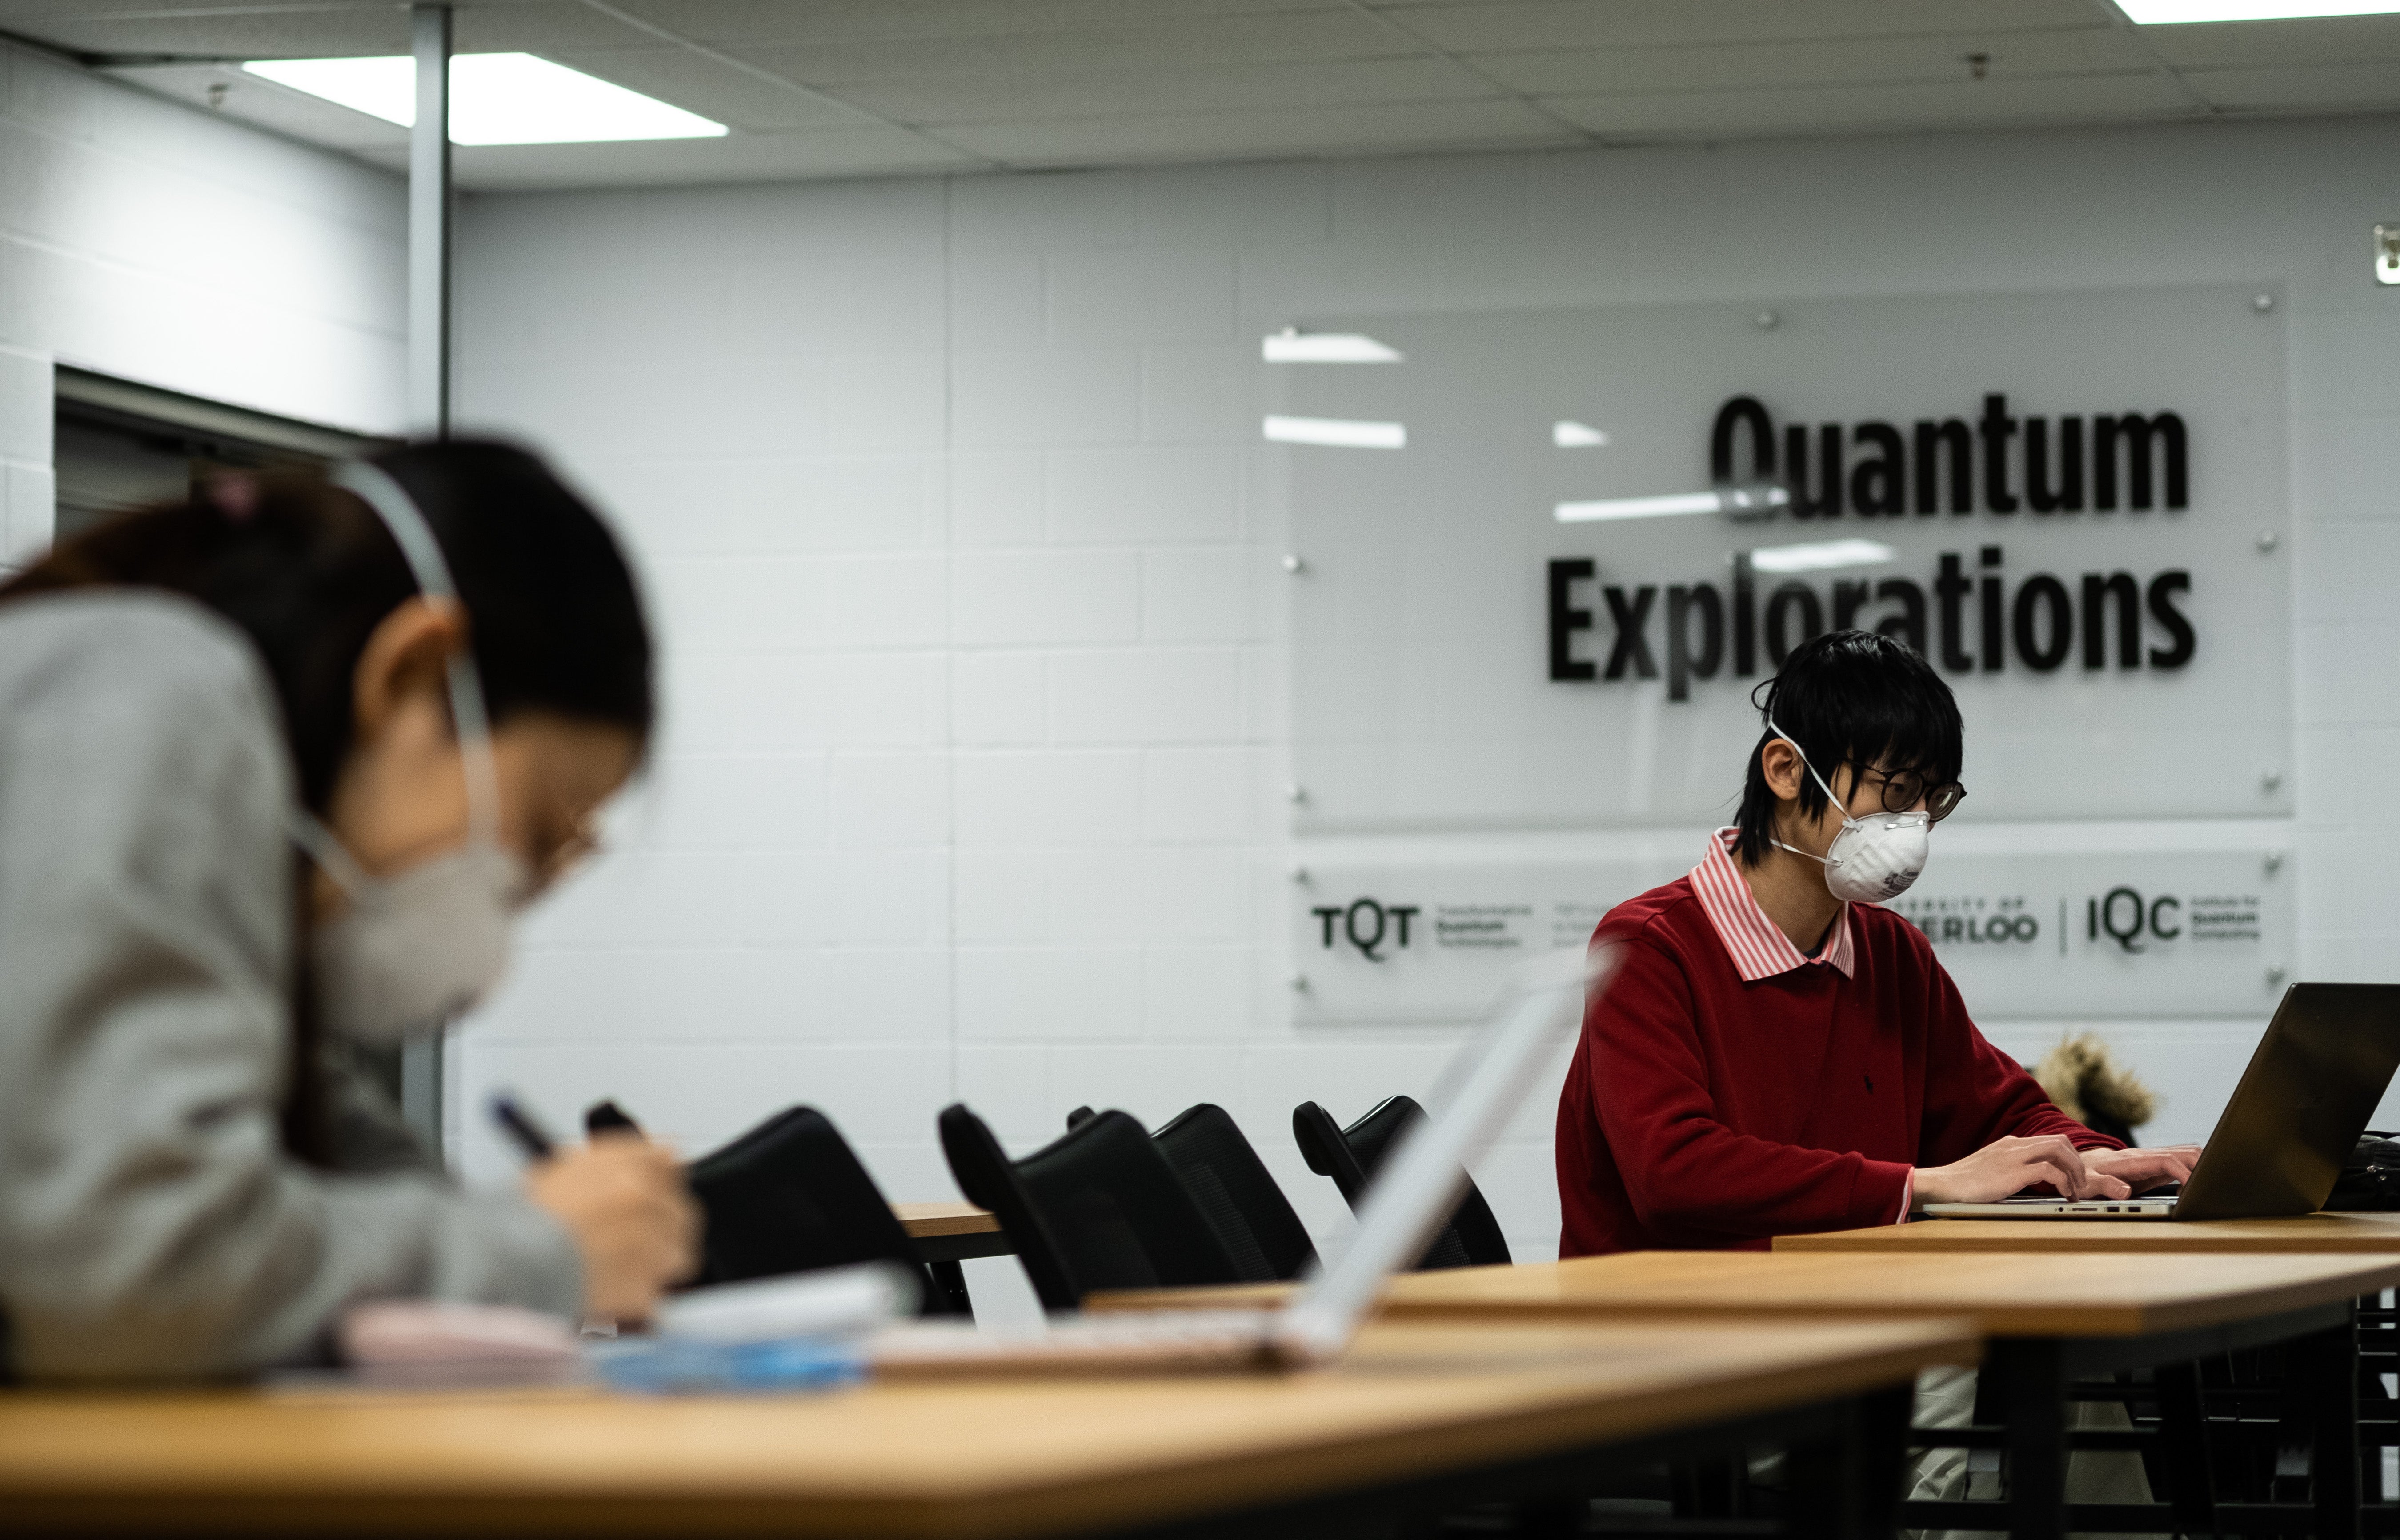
{"x":520,"y":1128}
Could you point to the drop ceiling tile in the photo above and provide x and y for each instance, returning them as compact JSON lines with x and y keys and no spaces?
{"x":547,"y":27}
{"x":742,"y":157}
{"x":712,"y":88}
{"x":1321,"y":132}
{"x":315,"y":33}
{"x":2372,"y":85}
{"x":1534,"y":24}
{"x":1183,"y":45}
{"x":720,"y":21}
{"x":1831,"y":109}
{"x":1723,"y":66}
{"x":998,"y":97}
{"x":2320,"y":40}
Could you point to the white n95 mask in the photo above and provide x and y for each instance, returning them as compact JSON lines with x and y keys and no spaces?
{"x":418,"y":947}
{"x":1874,"y":858}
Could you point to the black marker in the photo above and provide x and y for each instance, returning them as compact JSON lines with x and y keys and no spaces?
{"x":521,"y":1130}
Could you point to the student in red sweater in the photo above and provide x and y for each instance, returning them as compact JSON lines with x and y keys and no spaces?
{"x":1777,"y":1054}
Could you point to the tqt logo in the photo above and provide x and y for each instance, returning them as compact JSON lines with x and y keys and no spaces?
{"x":1366,"y":924}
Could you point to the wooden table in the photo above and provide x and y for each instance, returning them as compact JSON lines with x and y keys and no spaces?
{"x":1421,"y":1416}
{"x":946,"y":1234}
{"x":2049,"y":1319}
{"x":2314,"y":1234}
{"x":953,"y":1229}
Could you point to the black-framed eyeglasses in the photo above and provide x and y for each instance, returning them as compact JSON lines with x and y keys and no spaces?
{"x":1905,"y":789}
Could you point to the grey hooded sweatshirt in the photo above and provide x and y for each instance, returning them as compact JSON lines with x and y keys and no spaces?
{"x":151,"y":1223}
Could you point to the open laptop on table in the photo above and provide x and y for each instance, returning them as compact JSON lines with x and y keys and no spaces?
{"x":1420,"y":1185}
{"x":2311,"y":1086}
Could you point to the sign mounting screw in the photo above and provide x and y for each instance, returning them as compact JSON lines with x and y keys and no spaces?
{"x":2269,"y":780}
{"x":1291,"y":562}
{"x":2262,"y":303}
{"x":1295,"y":793}
{"x":1299,"y":873}
{"x":1300,"y":983}
{"x":1765,"y":320}
{"x":2274,"y":862}
{"x":2275,"y":974}
{"x":2267,"y":540}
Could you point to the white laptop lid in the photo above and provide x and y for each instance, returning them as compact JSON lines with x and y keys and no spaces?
{"x":1422,"y":1180}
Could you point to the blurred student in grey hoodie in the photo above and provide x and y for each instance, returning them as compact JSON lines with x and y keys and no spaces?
{"x":278,"y":767}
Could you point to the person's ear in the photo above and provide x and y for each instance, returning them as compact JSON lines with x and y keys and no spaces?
{"x":1780,"y":763}
{"x":409,"y":652}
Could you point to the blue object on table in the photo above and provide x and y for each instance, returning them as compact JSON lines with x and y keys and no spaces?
{"x":670,"y":1365}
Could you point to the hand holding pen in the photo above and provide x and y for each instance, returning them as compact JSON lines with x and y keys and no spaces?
{"x":623,"y":1202}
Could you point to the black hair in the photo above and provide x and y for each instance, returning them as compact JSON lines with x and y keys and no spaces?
{"x":1848,"y":698}
{"x":308,"y":572}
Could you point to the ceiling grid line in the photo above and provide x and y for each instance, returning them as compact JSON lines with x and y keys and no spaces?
{"x":760,"y":72}
{"x":1522,"y":98}
{"x":2119,"y":20}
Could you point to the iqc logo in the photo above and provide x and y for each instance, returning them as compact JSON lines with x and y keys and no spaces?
{"x":1367,"y":925}
{"x":2132,"y":921}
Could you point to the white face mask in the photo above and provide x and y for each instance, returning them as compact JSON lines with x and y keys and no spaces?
{"x":418,"y":947}
{"x":1874,"y":858}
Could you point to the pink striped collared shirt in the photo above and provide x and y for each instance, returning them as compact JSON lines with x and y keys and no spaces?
{"x":1759,"y":947}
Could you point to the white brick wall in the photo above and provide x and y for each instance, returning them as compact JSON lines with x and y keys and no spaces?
{"x":967,"y":561}
{"x":152,"y":241}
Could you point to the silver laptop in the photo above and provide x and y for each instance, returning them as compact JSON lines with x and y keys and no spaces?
{"x":1419,"y":1187}
{"x":2310,"y":1090}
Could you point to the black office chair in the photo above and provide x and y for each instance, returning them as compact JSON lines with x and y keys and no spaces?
{"x":790,"y":1196}
{"x":1352,"y":1156}
{"x":1235,"y":1189}
{"x":1098,"y":1208}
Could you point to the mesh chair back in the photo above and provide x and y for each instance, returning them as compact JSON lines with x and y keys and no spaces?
{"x":1098,"y":1208}
{"x":1235,"y":1189}
{"x":1352,"y":1156}
{"x":790,"y":1196}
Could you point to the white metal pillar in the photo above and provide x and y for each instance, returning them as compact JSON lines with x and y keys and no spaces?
{"x":428,"y":226}
{"x":429,"y":389}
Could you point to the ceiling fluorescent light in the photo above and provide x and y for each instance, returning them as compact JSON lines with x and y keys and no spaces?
{"x":1742,"y":501}
{"x":1821,"y":555}
{"x":379,"y":88}
{"x":2162,"y":13}
{"x":1576,"y":435}
{"x":1293,"y":345}
{"x":495,"y":99}
{"x":1338,"y":432}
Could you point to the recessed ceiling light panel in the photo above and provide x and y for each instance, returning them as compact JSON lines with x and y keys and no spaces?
{"x":1576,"y":435}
{"x":495,"y":99}
{"x":2159,"y":13}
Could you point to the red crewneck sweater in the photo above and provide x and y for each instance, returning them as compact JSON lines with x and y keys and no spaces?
{"x":1705,"y":1109}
